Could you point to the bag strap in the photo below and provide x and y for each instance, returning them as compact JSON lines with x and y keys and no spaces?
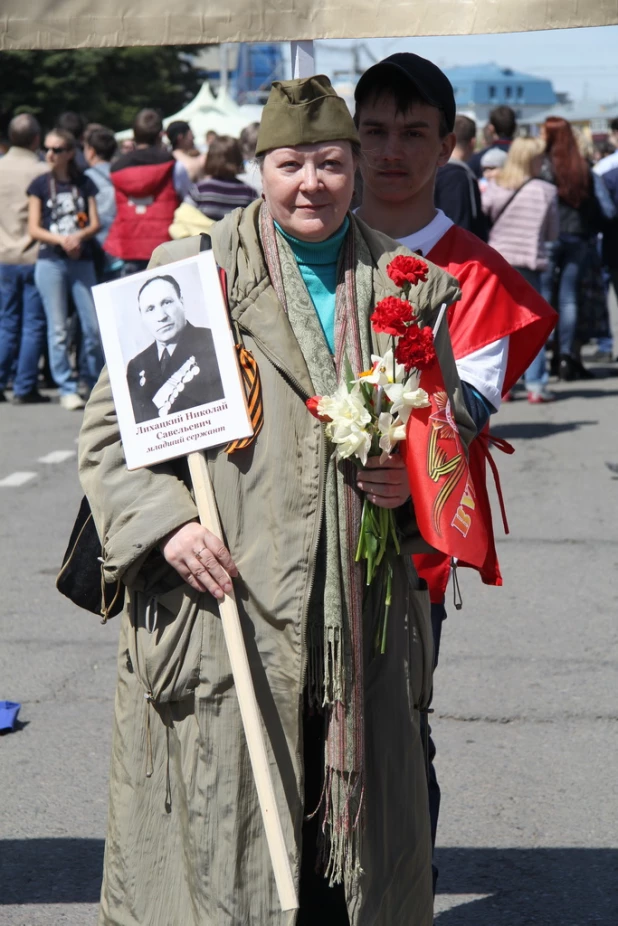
{"x":506,"y":205}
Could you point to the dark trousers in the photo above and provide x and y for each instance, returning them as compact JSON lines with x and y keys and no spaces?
{"x":23,"y":327}
{"x":320,"y":905}
{"x":438,"y":616}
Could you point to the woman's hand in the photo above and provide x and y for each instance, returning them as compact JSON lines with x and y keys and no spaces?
{"x":200,"y":559}
{"x":72,"y":245}
{"x":385,"y":484}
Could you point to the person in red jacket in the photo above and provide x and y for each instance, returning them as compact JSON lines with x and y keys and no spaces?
{"x":149,"y":184}
{"x":405,"y":113}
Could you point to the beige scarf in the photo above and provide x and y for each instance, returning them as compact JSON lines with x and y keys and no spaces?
{"x":335,"y":632}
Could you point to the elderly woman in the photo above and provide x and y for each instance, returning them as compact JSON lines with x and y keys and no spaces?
{"x":186,"y":845}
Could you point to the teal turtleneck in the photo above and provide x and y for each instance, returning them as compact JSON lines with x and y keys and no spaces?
{"x":318,"y":262}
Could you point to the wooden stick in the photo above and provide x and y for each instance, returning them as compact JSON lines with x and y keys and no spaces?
{"x":439,"y":319}
{"x":252,"y":722}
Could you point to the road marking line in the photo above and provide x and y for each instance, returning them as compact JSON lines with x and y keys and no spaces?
{"x":446,"y":902}
{"x":57,"y":456}
{"x":16,"y":479}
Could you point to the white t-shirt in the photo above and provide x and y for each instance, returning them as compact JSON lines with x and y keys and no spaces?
{"x":483,"y":369}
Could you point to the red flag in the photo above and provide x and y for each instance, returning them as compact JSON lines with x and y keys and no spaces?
{"x":443,"y":492}
{"x":495,"y":302}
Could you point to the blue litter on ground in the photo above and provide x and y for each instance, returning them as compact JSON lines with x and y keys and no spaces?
{"x":8,"y":714}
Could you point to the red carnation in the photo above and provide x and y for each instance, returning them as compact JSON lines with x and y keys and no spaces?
{"x":415,"y":350}
{"x":312,"y":405}
{"x":404,"y":270}
{"x":390,"y":316}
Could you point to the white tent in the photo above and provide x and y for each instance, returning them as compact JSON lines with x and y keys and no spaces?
{"x":93,"y":24}
{"x":206,"y":112}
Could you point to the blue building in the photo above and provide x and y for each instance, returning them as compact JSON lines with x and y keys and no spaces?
{"x":246,"y":69}
{"x":259,"y":63}
{"x":480,"y":87}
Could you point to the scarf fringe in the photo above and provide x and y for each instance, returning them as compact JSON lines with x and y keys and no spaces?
{"x":340,"y":844}
{"x":326,"y":669}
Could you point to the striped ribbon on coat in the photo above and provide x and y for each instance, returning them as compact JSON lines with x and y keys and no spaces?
{"x":253,"y":391}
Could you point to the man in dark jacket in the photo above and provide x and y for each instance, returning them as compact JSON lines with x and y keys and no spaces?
{"x":607,"y":169}
{"x":499,"y":132}
{"x":457,"y":191}
{"x":179,"y":370}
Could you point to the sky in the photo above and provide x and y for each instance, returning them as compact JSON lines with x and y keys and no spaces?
{"x":581,"y":62}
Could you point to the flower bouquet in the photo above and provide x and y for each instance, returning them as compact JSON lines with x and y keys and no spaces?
{"x":368,"y":414}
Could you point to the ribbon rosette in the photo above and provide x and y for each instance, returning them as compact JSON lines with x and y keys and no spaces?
{"x":369,"y":412}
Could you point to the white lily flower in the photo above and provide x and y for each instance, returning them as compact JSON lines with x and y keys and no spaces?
{"x":392,"y":430}
{"x":349,"y":416}
{"x":406,"y":396}
{"x":382,"y":371}
{"x":344,"y":405}
{"x":351,"y":440}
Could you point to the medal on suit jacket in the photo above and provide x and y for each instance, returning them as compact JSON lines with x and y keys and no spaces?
{"x":165,"y":397}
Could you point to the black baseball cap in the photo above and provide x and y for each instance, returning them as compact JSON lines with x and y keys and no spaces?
{"x":430,"y":83}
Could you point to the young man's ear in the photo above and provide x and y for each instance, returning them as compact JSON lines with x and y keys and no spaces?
{"x":447,"y":145}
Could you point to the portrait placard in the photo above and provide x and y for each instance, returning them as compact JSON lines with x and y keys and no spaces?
{"x":172,"y":362}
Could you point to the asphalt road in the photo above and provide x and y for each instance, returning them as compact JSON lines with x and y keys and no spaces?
{"x":525,"y":695}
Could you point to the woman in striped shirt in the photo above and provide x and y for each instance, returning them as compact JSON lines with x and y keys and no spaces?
{"x":221,"y":191}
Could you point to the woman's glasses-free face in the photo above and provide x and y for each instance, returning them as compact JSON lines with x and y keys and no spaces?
{"x":55,"y":150}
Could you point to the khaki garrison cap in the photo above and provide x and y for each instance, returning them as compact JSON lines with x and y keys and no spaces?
{"x":304,"y":112}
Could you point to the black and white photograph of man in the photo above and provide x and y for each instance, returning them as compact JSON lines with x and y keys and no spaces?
{"x":179,"y":369}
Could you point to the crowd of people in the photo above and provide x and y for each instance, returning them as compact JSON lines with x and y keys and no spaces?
{"x":77,"y":209}
{"x":549,"y":205}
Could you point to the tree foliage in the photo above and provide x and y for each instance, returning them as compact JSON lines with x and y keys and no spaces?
{"x":107,"y":85}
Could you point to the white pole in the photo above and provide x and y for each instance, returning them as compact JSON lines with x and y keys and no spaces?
{"x":303,"y":59}
{"x":223,"y":67}
{"x":247,"y":702}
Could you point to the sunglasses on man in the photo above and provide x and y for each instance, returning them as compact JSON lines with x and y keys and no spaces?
{"x":55,"y":150}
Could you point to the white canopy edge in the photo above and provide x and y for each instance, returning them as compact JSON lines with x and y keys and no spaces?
{"x":31,"y":24}
{"x":205,"y":112}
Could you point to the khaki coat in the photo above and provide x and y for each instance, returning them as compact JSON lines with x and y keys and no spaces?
{"x":185,"y":844}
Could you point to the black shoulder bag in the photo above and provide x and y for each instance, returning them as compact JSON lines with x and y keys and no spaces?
{"x":81,"y":577}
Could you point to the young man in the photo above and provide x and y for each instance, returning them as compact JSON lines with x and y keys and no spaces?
{"x":99,"y":148}
{"x":405,"y":112}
